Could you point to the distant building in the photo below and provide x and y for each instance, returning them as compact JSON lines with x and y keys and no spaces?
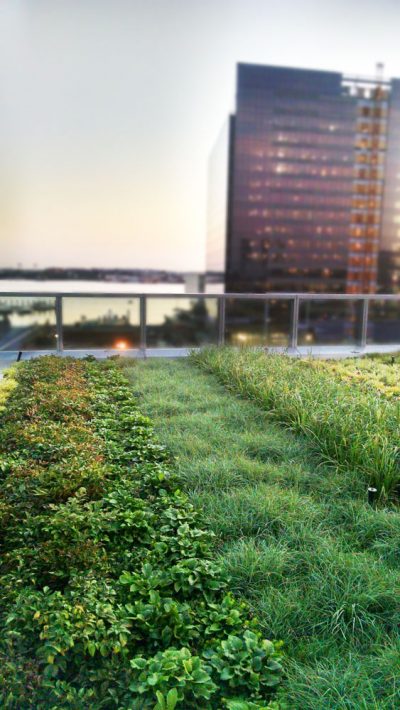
{"x":194,"y":282}
{"x":304,"y":184}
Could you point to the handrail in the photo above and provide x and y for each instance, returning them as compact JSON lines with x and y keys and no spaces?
{"x":296,"y":299}
{"x":250,"y":296}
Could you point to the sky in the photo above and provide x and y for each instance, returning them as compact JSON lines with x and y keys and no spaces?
{"x":109,"y":110}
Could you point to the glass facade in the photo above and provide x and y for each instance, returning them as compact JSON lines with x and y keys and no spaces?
{"x":305,"y":191}
{"x":369,"y":167}
{"x":389,"y":256}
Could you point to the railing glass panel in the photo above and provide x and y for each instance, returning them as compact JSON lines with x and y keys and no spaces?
{"x":123,"y":322}
{"x":383,"y":322}
{"x":100,"y":322}
{"x":27,"y":323}
{"x":181,"y":322}
{"x":257,"y":322}
{"x":329,"y":322}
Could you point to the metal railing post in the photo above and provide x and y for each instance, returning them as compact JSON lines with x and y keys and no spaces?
{"x":364,"y":323}
{"x":221,"y":320}
{"x":59,"y":325}
{"x":294,"y":324}
{"x":266,"y":328}
{"x":143,"y":339}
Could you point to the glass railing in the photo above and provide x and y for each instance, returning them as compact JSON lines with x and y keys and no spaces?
{"x":158,"y":321}
{"x":28,"y":322}
{"x":383,"y":322}
{"x":329,"y":322}
{"x":255,"y":322}
{"x":92,"y":322}
{"x":181,"y":322}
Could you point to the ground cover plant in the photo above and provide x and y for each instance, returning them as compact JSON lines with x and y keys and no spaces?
{"x":351,"y":428}
{"x":7,"y":384}
{"x":109,"y":593}
{"x":381,"y":374}
{"x":319,"y":567}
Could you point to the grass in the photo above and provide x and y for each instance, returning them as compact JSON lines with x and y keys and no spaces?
{"x":319,"y":566}
{"x":352,"y":428}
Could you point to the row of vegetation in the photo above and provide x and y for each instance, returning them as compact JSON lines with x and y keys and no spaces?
{"x":318,"y":565}
{"x":110,"y":597}
{"x":352,"y":428}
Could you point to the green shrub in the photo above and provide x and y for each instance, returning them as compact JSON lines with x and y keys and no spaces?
{"x":110,"y":597}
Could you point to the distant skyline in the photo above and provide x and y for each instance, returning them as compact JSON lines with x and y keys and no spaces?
{"x":109,"y":111}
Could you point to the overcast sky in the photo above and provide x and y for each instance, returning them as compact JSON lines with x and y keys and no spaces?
{"x":109,"y":110}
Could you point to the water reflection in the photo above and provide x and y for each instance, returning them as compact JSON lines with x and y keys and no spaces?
{"x":27,"y":323}
{"x":95,"y":322}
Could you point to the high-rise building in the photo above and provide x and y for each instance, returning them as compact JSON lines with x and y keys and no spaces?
{"x":304,"y":185}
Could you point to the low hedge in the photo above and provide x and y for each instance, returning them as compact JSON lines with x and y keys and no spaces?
{"x":110,"y":597}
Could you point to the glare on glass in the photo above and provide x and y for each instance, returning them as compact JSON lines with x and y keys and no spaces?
{"x":101,"y":322}
{"x":27,"y":323}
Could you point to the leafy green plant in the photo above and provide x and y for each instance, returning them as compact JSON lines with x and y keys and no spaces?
{"x":109,"y":593}
{"x":174,"y":676}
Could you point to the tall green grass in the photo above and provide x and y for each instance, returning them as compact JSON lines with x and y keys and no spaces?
{"x":319,"y":567}
{"x":350,"y":428}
